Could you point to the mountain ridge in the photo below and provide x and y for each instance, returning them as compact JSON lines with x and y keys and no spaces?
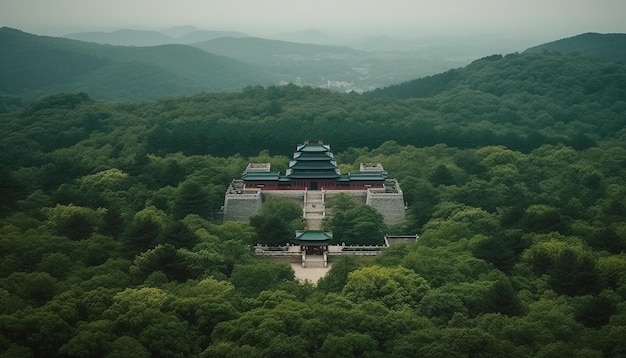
{"x":35,"y":65}
{"x":589,"y":46}
{"x":132,"y":37}
{"x":609,"y":46}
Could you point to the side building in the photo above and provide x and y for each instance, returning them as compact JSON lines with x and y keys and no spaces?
{"x":313,"y":169}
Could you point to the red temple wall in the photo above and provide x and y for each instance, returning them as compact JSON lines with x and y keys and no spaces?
{"x":307,"y":185}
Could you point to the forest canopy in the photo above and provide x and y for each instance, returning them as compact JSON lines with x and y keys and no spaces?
{"x":514,"y":173}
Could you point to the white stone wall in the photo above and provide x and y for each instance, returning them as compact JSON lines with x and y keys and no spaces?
{"x":390,"y":205}
{"x":240,"y":207}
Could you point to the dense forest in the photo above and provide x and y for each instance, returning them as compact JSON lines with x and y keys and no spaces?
{"x":602,"y":46}
{"x":513,"y":169}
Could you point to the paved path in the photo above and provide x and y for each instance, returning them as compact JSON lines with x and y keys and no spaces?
{"x":312,"y":274}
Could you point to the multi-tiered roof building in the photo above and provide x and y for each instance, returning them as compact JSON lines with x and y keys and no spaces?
{"x":313,"y":171}
{"x":313,"y":167}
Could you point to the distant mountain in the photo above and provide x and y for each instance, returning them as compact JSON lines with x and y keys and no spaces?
{"x":206,"y":35}
{"x":179,"y":31}
{"x":535,"y":75}
{"x":179,"y":35}
{"x":310,"y":36}
{"x":610,"y":47}
{"x":305,"y":64}
{"x":123,"y":38}
{"x":33,"y":65}
{"x":263,"y":51}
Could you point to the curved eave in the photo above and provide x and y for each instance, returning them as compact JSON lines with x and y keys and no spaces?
{"x":317,"y":237}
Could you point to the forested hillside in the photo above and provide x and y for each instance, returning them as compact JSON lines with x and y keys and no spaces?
{"x":290,"y":61}
{"x":339,"y":68}
{"x":611,"y":47}
{"x":32,"y":66}
{"x":513,"y":169}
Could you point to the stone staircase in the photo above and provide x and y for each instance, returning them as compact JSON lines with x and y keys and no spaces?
{"x":314,"y":210}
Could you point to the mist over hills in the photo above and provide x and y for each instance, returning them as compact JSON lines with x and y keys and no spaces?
{"x":37,"y":65}
{"x":123,"y":37}
{"x":229,"y":61}
{"x":605,"y":47}
{"x":33,"y":66}
{"x":304,"y":64}
{"x":312,"y":36}
{"x":132,"y":37}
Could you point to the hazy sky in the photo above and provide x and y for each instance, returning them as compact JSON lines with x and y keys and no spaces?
{"x":548,"y":19}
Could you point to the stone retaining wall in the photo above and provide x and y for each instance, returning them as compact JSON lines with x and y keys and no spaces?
{"x":240,"y":207}
{"x":390,"y":205}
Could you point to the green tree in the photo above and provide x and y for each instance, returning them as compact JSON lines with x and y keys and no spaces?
{"x":542,"y":219}
{"x":163,"y":258}
{"x":337,"y":276}
{"x":354,"y":224}
{"x":35,"y":287}
{"x":143,"y":314}
{"x":75,"y":222}
{"x":422,"y":199}
{"x":453,"y":222}
{"x":89,"y":339}
{"x":192,"y":198}
{"x":502,"y":298}
{"x":574,"y":274}
{"x":440,"y":306}
{"x":442,"y":176}
{"x":57,"y":264}
{"x":277,"y":221}
{"x":349,"y":345}
{"x":145,"y":230}
{"x":258,"y":276}
{"x":501,"y":250}
{"x":43,"y":331}
{"x":393,"y":287}
{"x":126,"y":346}
{"x":178,"y":235}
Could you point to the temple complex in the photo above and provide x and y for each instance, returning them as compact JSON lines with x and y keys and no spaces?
{"x":313,"y":176}
{"x":313,"y":167}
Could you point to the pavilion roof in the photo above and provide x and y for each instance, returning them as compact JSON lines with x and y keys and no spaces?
{"x":313,"y":237}
{"x":313,"y":156}
{"x":316,"y":165}
{"x":312,"y":175}
{"x":366,"y":176}
{"x":313,"y":147}
{"x":260,"y":176}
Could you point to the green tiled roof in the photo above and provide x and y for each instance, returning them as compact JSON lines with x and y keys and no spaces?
{"x":313,"y":161}
{"x":313,"y":237}
{"x":312,"y":175}
{"x":313,"y":147}
{"x":366,"y":176}
{"x":313,"y":165}
{"x":260,"y":176}
{"x":313,"y":156}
